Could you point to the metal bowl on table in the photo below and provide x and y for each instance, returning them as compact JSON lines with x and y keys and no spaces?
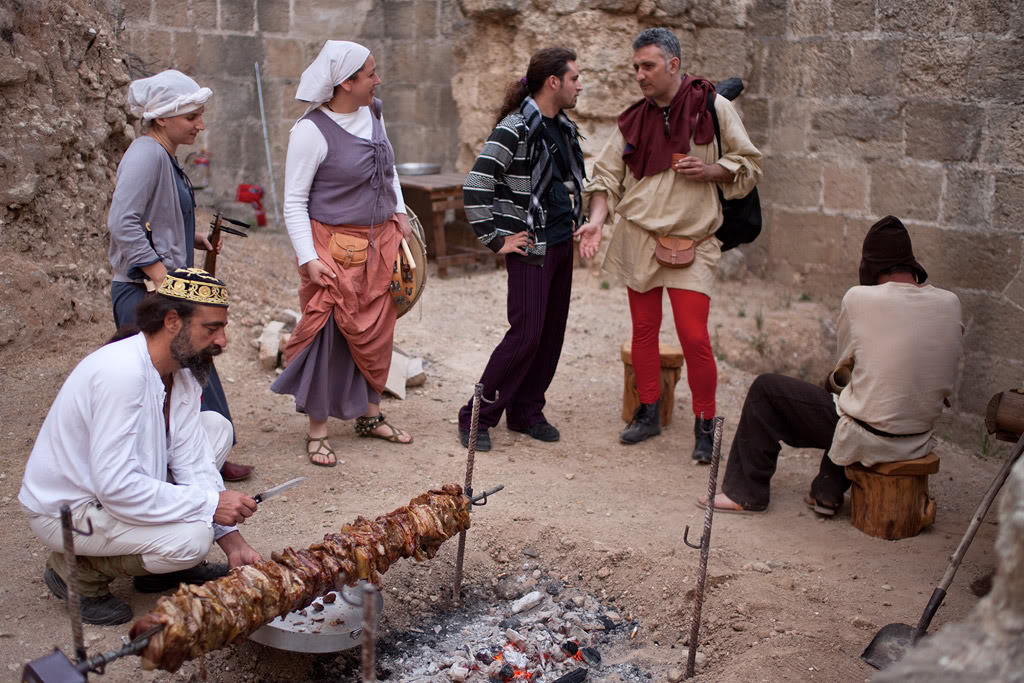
{"x":418,"y":168}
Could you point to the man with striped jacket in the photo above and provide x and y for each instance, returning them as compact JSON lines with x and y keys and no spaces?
{"x":523,"y":199}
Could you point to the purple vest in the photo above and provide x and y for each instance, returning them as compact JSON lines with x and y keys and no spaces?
{"x":354,"y":185}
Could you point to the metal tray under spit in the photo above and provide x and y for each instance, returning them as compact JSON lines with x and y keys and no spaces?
{"x":339,"y":626}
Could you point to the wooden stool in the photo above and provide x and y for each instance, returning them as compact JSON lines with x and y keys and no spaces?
{"x":671,"y":371}
{"x":890,"y":500}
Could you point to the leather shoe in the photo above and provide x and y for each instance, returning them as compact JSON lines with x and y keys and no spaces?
{"x":646,"y":423}
{"x":483,"y":439}
{"x":199,"y":574}
{"x":703,"y":440}
{"x":103,"y":610}
{"x":542,"y":431}
{"x":232,"y":471}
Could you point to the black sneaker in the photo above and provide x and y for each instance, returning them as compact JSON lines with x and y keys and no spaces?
{"x":704,"y":440}
{"x":102,"y":610}
{"x":483,"y":439}
{"x":199,"y":574}
{"x":542,"y":431}
{"x":646,"y":423}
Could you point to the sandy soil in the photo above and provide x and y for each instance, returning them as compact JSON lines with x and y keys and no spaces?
{"x":584,"y":503}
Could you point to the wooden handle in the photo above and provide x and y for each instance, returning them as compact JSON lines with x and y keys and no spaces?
{"x":408,"y":254}
{"x":210,"y":262}
{"x":979,"y":515}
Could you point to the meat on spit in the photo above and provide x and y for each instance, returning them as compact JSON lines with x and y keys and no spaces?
{"x":199,"y":619}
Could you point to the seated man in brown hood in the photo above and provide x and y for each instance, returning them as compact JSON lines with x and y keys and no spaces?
{"x":899,"y":348}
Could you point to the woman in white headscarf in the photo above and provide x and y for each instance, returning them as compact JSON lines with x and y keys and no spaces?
{"x":152,"y":215}
{"x":345,"y":215}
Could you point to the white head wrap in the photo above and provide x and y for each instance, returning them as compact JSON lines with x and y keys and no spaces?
{"x":338,"y":59}
{"x":169,"y":93}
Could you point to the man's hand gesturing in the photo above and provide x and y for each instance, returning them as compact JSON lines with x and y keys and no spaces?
{"x":589,"y":237}
{"x":233,"y":508}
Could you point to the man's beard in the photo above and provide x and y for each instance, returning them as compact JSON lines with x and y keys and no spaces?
{"x":199,"y":362}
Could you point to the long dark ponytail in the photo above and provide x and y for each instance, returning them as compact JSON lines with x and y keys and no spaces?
{"x":551,"y":61}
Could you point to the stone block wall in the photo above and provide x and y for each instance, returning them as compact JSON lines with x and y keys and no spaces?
{"x":904,"y":107}
{"x":218,"y":42}
{"x":861,"y":107}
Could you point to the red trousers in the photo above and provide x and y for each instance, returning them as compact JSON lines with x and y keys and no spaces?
{"x":690,"y":311}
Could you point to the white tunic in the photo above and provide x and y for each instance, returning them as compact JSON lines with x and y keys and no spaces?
{"x":307,"y":149}
{"x":900,"y":344}
{"x":104,"y":440}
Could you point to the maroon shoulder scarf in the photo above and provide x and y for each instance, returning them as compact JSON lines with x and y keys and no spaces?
{"x":648,"y":149}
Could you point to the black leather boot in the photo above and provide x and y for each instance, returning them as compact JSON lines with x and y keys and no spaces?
{"x":704,"y":437}
{"x":646,"y":423}
{"x":197,"y":575}
{"x":104,"y":610}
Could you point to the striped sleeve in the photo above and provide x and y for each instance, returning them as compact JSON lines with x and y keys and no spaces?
{"x":478,"y":191}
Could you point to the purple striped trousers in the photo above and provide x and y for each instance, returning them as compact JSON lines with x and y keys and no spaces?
{"x":523,"y":364}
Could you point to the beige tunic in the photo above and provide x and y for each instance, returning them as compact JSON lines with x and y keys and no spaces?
{"x":899,"y":345}
{"x":667,"y":204}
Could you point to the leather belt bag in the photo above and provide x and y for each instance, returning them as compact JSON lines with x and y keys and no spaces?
{"x":677,"y":252}
{"x":347,"y":250}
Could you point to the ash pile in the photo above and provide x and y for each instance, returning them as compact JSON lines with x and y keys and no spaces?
{"x":528,"y":627}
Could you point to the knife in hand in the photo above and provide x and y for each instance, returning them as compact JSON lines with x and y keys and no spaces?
{"x":280,"y":488}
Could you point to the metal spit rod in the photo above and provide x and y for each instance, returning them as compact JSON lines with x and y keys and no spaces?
{"x":98,"y":663}
{"x":705,"y":548}
{"x":369,"y":633}
{"x":266,"y":146}
{"x":74,"y":602}
{"x":478,"y":395}
{"x":475,"y":500}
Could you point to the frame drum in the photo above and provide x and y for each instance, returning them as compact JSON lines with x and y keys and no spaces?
{"x":408,"y":283}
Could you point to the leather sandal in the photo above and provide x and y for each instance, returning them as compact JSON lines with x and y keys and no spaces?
{"x":733,"y":508}
{"x":323,"y":449}
{"x":819,"y":507}
{"x":366,"y":427}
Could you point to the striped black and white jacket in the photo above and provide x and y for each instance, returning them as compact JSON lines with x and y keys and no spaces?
{"x":503,"y":192}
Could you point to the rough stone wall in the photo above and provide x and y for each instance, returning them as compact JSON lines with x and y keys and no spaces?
{"x":861,"y":107}
{"x":62,"y":132}
{"x":218,"y":42}
{"x":496,"y":49}
{"x":908,"y":107}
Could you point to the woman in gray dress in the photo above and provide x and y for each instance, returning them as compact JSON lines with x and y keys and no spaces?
{"x":152,"y":212}
{"x":346,"y":218}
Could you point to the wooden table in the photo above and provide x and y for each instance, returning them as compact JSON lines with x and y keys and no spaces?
{"x":441,"y":191}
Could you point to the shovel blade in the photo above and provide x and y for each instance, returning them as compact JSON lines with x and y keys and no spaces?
{"x":889,"y":645}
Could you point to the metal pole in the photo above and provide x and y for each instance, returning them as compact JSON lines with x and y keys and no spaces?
{"x":705,"y":548}
{"x":478,"y":394}
{"x":74,"y":603}
{"x":266,"y":146}
{"x":369,"y":633}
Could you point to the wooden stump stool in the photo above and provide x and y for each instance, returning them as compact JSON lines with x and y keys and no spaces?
{"x":671,"y":371}
{"x":890,"y":500}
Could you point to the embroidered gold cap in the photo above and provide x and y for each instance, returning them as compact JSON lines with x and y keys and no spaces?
{"x":195,"y":284}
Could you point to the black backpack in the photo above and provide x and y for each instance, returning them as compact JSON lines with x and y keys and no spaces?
{"x":741,"y":218}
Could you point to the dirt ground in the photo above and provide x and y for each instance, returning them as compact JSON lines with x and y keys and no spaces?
{"x":793,"y":597}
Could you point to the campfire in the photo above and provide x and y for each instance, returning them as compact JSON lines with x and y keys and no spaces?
{"x":534,"y":629}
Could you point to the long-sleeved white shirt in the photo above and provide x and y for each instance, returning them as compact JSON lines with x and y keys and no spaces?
{"x":104,"y":440}
{"x":307,"y":149}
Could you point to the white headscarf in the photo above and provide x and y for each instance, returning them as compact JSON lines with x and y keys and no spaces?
{"x":338,"y":59}
{"x":169,"y":93}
